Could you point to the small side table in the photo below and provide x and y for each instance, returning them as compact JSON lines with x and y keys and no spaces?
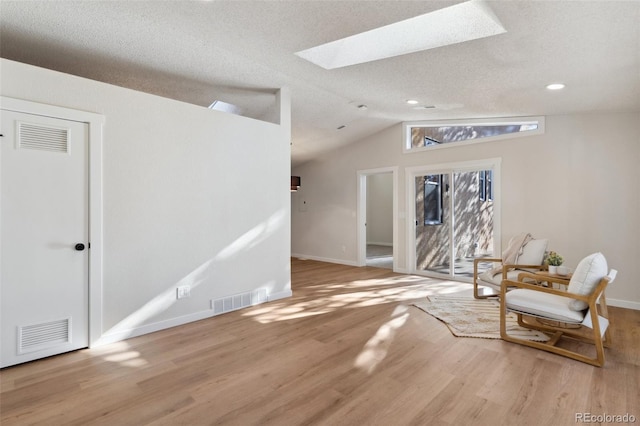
{"x":545,"y":276}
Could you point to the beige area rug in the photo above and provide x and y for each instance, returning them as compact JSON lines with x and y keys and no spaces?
{"x":469,"y":317}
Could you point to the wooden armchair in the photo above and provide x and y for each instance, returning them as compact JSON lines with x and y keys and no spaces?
{"x":579,"y":311}
{"x":523,"y":253}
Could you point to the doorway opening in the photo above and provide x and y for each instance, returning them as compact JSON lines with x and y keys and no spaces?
{"x":377,"y":212}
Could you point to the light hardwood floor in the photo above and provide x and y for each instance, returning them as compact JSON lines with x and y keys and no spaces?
{"x":346,"y":349}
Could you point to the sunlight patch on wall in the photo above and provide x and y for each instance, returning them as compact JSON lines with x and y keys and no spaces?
{"x":163,"y":301}
{"x":253,"y":237}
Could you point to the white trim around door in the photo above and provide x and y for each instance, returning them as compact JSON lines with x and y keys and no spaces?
{"x":95,"y":123}
{"x":362,"y":213}
{"x":410,"y":189}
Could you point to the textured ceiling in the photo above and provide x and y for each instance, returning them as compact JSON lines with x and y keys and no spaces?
{"x":241,"y":52}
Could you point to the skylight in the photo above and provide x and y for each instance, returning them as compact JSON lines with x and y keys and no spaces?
{"x":226,"y":107}
{"x":455,"y":24}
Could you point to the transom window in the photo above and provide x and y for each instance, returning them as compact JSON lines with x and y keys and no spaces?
{"x":419,"y":136}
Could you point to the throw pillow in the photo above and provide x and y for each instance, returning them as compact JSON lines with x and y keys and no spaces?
{"x":586,"y":277}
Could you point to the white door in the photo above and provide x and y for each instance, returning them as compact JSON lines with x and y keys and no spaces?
{"x":44,"y":237}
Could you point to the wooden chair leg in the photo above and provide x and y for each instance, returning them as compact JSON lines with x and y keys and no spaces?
{"x":554,"y":336}
{"x":604,"y":311}
{"x":554,"y":328}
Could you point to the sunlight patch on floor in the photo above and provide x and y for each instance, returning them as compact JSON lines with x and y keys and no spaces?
{"x":127,"y":359}
{"x":120,"y":353}
{"x":376,"y":348}
{"x":371,"y":292}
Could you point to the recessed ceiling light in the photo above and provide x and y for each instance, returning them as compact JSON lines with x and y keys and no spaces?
{"x":555,"y":86}
{"x":412,"y":102}
{"x":454,"y":24}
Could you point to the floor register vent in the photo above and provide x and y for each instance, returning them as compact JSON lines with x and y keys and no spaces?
{"x":239,"y":301}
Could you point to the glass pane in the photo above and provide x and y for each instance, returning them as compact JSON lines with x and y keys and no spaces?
{"x":471,"y":219}
{"x":424,"y":136}
{"x":432,"y":224}
{"x":433,"y":200}
{"x":473,"y":212}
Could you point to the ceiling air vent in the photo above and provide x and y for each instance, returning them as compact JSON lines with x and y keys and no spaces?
{"x":43,"y":138}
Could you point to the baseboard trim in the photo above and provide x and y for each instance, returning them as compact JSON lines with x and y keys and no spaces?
{"x":279,"y":295}
{"x":342,"y":262}
{"x":324,"y":259}
{"x":151,"y":328}
{"x":623,"y":304}
{"x":173,"y":322}
{"x":379,"y":244}
{"x":612,"y":302}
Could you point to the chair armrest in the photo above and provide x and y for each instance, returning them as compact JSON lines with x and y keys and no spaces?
{"x":482,"y":259}
{"x":516,"y":266}
{"x":538,"y":278}
{"x":485,"y":259}
{"x":507,"y":268}
{"x":527,"y":286}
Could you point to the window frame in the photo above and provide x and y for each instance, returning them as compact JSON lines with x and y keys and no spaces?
{"x":485,"y":183}
{"x":439,"y":208}
{"x":408,"y":125}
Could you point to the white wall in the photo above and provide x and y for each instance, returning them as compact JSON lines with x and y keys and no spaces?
{"x":191,"y":196}
{"x":380,"y":209}
{"x":578,"y":185}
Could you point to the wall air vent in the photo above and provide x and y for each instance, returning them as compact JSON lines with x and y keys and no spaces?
{"x":36,"y":337}
{"x":43,"y":138}
{"x":239,"y":301}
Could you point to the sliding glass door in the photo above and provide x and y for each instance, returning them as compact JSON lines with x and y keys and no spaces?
{"x":433,"y":213}
{"x":455,"y":221}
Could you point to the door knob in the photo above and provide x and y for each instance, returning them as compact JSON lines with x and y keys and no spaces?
{"x":79,"y":246}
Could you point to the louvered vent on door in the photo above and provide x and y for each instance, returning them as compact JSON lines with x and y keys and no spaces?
{"x":44,"y":138}
{"x":41,"y":336}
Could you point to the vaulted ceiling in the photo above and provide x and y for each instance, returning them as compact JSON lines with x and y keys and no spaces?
{"x":241,"y":52}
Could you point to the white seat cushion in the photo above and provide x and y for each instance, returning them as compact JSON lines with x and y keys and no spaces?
{"x":495,"y":280}
{"x":543,"y":305}
{"x":586,"y":277}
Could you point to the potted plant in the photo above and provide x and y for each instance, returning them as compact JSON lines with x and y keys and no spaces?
{"x":553,"y":260}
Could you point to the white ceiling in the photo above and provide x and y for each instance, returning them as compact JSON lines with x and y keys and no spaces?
{"x":241,"y":52}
